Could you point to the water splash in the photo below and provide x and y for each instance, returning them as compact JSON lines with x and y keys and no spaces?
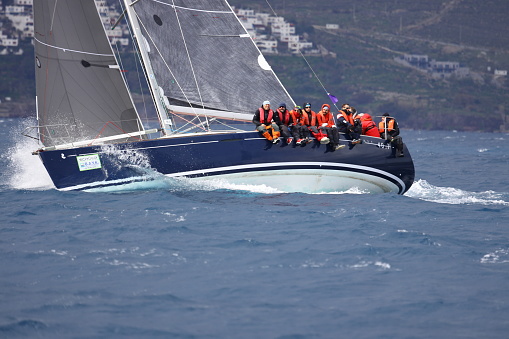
{"x":220,"y":184}
{"x":124,"y":157}
{"x":423,"y":190}
{"x":25,"y":171}
{"x":352,"y":190}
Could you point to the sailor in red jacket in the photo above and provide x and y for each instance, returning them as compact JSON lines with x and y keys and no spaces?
{"x":266,"y":121}
{"x":327,"y":126}
{"x":368,"y":126}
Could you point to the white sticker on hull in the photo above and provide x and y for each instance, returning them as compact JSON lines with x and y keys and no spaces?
{"x":89,"y":162}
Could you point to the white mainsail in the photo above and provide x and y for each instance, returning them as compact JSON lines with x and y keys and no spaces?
{"x":81,"y":93}
{"x":203,"y":58}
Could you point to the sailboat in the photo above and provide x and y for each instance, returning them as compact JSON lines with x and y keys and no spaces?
{"x":202,"y":67}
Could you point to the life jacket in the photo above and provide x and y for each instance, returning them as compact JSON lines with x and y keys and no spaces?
{"x":381,"y":126}
{"x":325,"y":117}
{"x":305,"y":118}
{"x":299,"y":119}
{"x":284,"y":117}
{"x":369,"y":128}
{"x":262,"y":115}
{"x":347,"y":117}
{"x":294,"y":117}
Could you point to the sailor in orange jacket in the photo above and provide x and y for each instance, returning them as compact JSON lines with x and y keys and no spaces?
{"x":299,"y":129}
{"x":310,"y":120}
{"x":389,"y":130}
{"x":327,"y":126}
{"x":286,"y":122}
{"x":347,"y":125}
{"x":266,"y":121}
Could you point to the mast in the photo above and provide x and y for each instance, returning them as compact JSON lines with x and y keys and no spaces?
{"x":157,"y":93}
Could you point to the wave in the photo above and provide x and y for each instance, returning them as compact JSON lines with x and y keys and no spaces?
{"x":423,"y":190}
{"x":499,"y":256}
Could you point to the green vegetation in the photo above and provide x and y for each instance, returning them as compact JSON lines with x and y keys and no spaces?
{"x":17,"y":74}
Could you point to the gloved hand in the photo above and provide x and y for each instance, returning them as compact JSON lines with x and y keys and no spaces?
{"x":334,"y":126}
{"x":324,"y":124}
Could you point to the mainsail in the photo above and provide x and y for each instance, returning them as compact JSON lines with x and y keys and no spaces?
{"x":203,"y":58}
{"x":81,"y":93}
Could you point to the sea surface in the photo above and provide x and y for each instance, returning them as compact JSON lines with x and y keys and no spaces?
{"x":176,"y":260}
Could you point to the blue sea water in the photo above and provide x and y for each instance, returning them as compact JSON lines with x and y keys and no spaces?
{"x":176,"y":260}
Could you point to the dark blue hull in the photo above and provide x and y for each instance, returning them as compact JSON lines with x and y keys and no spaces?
{"x":240,"y":157}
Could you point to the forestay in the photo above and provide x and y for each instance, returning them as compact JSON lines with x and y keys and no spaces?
{"x":80,"y":89}
{"x":203,"y":58}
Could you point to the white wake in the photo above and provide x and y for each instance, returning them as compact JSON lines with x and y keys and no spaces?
{"x":423,"y":190}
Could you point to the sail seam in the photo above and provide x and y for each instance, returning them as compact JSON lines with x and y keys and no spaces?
{"x":72,"y":50}
{"x":189,"y":57}
{"x":193,"y":9}
{"x":166,"y":64}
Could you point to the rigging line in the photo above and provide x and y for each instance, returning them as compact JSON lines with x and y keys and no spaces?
{"x":200,"y":125}
{"x":231,"y":127}
{"x":72,"y":50}
{"x":303,"y":57}
{"x":53,"y":16}
{"x":119,"y":64}
{"x":192,"y":9}
{"x":137,"y":54}
{"x":166,"y":64}
{"x":123,"y":75}
{"x":190,"y":61}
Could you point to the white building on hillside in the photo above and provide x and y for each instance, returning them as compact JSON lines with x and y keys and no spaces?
{"x":23,"y":2}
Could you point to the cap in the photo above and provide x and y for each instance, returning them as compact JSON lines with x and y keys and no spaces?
{"x":298,"y":107}
{"x":282,"y":105}
{"x":306,"y":104}
{"x":266,"y":102}
{"x":385,"y":114}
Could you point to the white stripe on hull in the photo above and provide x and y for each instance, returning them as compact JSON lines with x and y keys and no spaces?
{"x":306,"y":181}
{"x":335,"y":178}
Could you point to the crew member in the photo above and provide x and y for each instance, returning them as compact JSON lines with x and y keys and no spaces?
{"x":311,"y":122}
{"x":267,"y":122}
{"x":327,"y":126}
{"x":286,"y":121}
{"x":299,"y":129}
{"x":389,"y":130}
{"x":368,"y":126}
{"x":346,"y":124}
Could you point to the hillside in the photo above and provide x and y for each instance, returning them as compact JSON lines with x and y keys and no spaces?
{"x":373,"y":32}
{"x":364,"y":73}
